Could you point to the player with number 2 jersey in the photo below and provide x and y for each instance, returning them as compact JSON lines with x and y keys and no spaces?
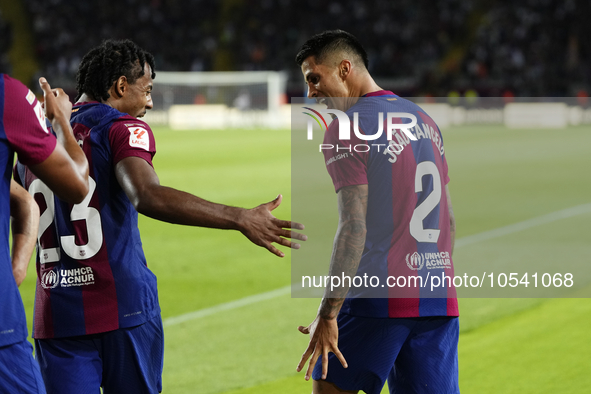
{"x":395,"y":224}
{"x":406,"y":225}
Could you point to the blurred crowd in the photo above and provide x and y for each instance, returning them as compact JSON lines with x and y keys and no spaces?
{"x":405,"y":39}
{"x":5,"y":44}
{"x":532,"y":47}
{"x":178,"y":33}
{"x":417,"y":47}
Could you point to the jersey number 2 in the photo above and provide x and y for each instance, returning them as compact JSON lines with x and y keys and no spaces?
{"x":80,"y":211}
{"x":417,"y":230}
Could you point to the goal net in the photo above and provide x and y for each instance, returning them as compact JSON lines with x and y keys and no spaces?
{"x":190,"y":100}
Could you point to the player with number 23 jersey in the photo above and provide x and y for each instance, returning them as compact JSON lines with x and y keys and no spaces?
{"x":92,"y":273}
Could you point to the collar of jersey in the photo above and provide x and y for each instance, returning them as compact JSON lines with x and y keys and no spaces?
{"x":379,"y":93}
{"x":85,"y":103}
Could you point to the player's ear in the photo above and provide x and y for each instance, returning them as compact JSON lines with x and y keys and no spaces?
{"x":344,"y":69}
{"x":120,"y":86}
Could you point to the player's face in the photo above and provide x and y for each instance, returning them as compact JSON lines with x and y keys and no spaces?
{"x":324,"y":83}
{"x":138,"y":97}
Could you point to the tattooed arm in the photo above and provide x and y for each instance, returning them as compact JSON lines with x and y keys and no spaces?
{"x":348,"y":246}
{"x":347,"y":249}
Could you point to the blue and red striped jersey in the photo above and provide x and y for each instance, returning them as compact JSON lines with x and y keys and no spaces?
{"x":407,"y":221}
{"x":92,"y":274}
{"x":22,"y":130}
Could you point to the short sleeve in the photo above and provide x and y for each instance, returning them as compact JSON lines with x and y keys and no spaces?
{"x":131,"y":137}
{"x":443,"y":159}
{"x":345,"y":165}
{"x":24,"y":124}
{"x":445,"y":175}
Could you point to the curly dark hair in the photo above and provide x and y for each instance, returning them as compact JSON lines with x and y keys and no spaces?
{"x":104,"y":64}
{"x":329,"y":41}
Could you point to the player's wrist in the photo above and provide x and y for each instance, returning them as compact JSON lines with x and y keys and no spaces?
{"x":239,"y":218}
{"x":58,"y":114}
{"x":19,"y":275}
{"x":330,"y":308}
{"x":61,"y":125}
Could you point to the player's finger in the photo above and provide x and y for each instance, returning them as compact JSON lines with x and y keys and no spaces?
{"x":304,"y":330}
{"x":45,"y":86}
{"x":274,"y":250}
{"x":324,"y":362}
{"x":292,"y":235}
{"x":271,"y":205}
{"x":284,"y":233}
{"x":288,"y":224}
{"x":312,"y":363}
{"x":299,"y":236}
{"x":302,"y":362}
{"x":340,"y":356}
{"x":58,"y":92}
{"x":297,"y":226}
{"x":306,"y":355}
{"x":285,"y":242}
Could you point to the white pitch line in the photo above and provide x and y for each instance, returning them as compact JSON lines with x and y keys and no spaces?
{"x":516,"y":227}
{"x":253,"y":299}
{"x":471,"y":239}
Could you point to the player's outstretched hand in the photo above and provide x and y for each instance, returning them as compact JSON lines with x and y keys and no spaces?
{"x":264,"y":229}
{"x":324,"y":338}
{"x":56,"y":102}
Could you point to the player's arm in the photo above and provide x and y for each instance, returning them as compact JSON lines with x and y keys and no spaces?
{"x":348,"y":245}
{"x":452,"y":220}
{"x":142,"y":186}
{"x":346,"y":255}
{"x":25,"y":223}
{"x":65,"y":171}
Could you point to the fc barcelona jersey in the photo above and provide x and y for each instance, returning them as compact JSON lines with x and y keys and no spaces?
{"x":92,"y":274}
{"x":408,"y":236}
{"x":22,"y":130}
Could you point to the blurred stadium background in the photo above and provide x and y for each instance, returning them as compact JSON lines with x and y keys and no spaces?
{"x":416,"y":48}
{"x":230,"y":322}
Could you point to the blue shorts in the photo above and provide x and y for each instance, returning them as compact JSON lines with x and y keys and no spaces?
{"x":127,"y":360}
{"x":415,"y":355}
{"x":19,"y":373}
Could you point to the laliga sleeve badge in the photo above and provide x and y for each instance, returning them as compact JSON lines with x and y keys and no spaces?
{"x":30,"y":97}
{"x":39,"y":111}
{"x":139,"y":137}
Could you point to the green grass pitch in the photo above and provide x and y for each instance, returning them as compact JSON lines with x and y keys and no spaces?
{"x":499,"y":177}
